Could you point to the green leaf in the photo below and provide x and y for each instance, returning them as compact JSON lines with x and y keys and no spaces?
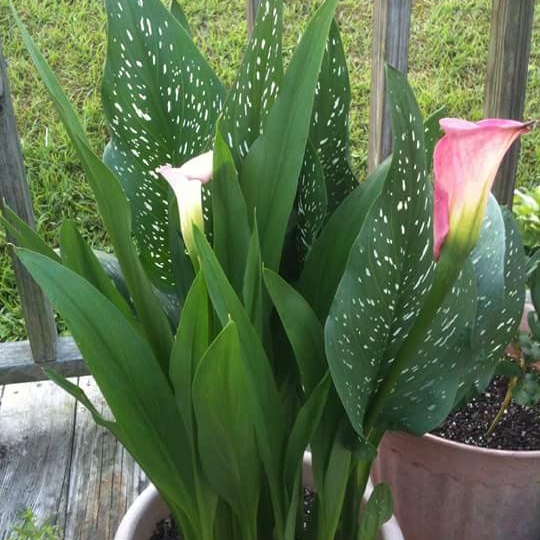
{"x":533,"y":263}
{"x":225,"y":422}
{"x":508,"y":368}
{"x":252,"y":290}
{"x":79,"y":257}
{"x":326,"y":261}
{"x":191,"y":342}
{"x":390,"y":268}
{"x":266,"y":399}
{"x":534,"y":280}
{"x":78,"y":393}
{"x":527,"y":390}
{"x":270,"y":171}
{"x":161,"y":101}
{"x":231,"y":231}
{"x":178,"y":13}
{"x":302,"y":327}
{"x":331,"y":491}
{"x":258,"y":82}
{"x":432,"y":134}
{"x":128,"y":375}
{"x":23,"y":235}
{"x":116,"y":215}
{"x":377,"y":512}
{"x":304,"y":426}
{"x":113,"y":208}
{"x":329,"y":131}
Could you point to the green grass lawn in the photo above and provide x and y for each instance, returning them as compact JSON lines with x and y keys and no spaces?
{"x":447,"y":64}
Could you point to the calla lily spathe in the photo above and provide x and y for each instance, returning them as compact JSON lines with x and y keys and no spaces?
{"x":465,"y":163}
{"x":186,"y":182}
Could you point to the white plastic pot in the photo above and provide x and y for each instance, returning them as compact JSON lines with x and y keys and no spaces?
{"x":149,"y":509}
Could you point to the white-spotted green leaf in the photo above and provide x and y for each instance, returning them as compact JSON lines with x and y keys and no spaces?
{"x":326,"y":261}
{"x":330,"y":121}
{"x":390,"y":267}
{"x":500,"y":276}
{"x":311,"y":202}
{"x":113,"y":207}
{"x":426,"y":389}
{"x":161,"y":102}
{"x":271,"y":169}
{"x":258,"y":82}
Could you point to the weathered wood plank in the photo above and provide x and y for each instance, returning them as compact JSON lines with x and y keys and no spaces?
{"x":104,"y":479}
{"x":17,"y":365}
{"x":391,"y":30}
{"x":37,"y":311}
{"x":506,"y":84}
{"x":36,"y":433}
{"x":252,"y":6}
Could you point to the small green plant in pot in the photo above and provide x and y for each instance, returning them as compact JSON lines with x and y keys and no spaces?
{"x":521,"y":368}
{"x":264,"y":300}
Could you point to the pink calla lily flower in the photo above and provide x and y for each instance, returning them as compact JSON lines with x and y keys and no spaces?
{"x":186,"y":182}
{"x":466,"y":161}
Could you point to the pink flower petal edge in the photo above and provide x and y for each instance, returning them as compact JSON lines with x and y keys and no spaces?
{"x":466,"y":161}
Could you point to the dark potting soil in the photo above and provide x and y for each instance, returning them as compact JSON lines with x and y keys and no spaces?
{"x":518,"y":428}
{"x":166,"y":529}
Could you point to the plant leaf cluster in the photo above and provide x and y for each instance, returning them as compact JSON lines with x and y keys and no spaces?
{"x":309,"y":284}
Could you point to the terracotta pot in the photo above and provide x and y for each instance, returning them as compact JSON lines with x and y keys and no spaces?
{"x":148,"y":509}
{"x":445,"y":490}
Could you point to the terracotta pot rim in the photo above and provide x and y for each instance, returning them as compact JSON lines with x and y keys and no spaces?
{"x":515,"y":454}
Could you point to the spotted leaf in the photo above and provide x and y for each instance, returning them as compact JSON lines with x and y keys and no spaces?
{"x":426,"y":389}
{"x":311,"y":201}
{"x":258,"y":82}
{"x":161,"y":101}
{"x":390,"y":267}
{"x":330,"y":121}
{"x":500,"y":275}
{"x":269,"y":174}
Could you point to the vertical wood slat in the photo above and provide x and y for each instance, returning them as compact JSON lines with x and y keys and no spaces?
{"x":391,"y":31}
{"x":14,"y":191}
{"x":252,"y":6}
{"x":509,"y":49}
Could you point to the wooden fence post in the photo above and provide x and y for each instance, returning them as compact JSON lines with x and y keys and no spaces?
{"x":506,"y":84}
{"x":252,"y":6}
{"x":14,"y":191}
{"x":391,"y":30}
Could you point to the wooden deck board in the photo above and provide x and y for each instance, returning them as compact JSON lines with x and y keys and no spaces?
{"x":55,"y":460}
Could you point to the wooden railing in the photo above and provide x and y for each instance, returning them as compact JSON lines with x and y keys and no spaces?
{"x":506,"y":82}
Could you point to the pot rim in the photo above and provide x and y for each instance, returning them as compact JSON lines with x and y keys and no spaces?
{"x":436,"y":439}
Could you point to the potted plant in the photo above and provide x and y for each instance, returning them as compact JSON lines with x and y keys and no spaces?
{"x":262,"y":299}
{"x":482,"y":462}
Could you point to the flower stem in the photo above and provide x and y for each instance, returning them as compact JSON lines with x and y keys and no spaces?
{"x":507,"y":399}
